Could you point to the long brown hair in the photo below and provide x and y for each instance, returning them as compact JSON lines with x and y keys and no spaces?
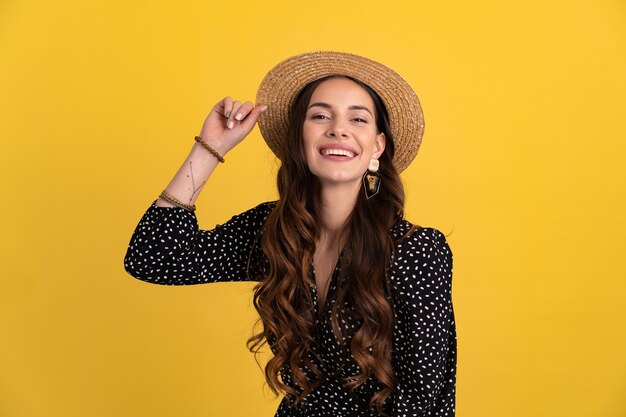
{"x":283,"y":298}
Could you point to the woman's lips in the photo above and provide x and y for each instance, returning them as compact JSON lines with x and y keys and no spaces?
{"x":342,"y":152}
{"x":338,"y":153}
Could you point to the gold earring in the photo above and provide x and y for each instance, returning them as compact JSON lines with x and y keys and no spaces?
{"x":371,"y":179}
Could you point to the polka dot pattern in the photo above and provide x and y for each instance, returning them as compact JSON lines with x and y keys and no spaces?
{"x":168,"y":248}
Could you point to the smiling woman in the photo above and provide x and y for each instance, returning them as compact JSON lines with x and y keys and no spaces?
{"x":340,"y":126}
{"x":354,"y":300}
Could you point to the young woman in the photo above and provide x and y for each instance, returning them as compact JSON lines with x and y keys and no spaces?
{"x":355,"y":301}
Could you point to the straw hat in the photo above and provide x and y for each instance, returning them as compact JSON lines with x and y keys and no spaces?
{"x":282,"y":84}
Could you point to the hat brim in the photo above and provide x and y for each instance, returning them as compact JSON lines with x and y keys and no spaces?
{"x":282,"y":84}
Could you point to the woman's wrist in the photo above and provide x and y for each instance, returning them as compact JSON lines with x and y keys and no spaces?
{"x":209,"y":151}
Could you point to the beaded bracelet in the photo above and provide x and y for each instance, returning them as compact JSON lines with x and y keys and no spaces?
{"x":208,"y":148}
{"x":165,"y":196}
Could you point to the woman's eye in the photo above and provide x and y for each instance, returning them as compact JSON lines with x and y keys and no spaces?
{"x":358,"y":119}
{"x":318,"y":116}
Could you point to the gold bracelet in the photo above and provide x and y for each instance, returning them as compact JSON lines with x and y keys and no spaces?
{"x":165,"y":196}
{"x":208,"y":148}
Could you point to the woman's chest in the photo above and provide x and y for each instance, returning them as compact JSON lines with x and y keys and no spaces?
{"x":336,"y":322}
{"x":323,"y":269}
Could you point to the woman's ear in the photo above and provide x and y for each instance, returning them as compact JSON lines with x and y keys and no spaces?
{"x":379,"y":145}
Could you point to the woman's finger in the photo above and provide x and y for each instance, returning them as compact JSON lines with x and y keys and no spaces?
{"x":230,"y":123}
{"x":244,"y":110}
{"x":248,"y":123}
{"x":225,"y":107}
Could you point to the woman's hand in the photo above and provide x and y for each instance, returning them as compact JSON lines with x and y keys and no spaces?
{"x":228,"y":123}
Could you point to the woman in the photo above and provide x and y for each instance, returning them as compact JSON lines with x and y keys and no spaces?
{"x":354,"y":300}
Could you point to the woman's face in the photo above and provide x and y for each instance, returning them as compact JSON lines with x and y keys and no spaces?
{"x":340,"y":134}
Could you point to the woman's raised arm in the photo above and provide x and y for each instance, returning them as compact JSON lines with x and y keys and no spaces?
{"x":167,"y":246}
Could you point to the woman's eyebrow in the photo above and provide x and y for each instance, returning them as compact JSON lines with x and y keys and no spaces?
{"x":353,"y":107}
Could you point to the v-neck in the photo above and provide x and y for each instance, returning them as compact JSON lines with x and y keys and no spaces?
{"x":319,"y":310}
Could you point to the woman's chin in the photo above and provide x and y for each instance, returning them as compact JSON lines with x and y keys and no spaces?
{"x":338,"y":179}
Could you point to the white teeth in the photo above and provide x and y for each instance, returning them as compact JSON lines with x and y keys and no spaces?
{"x":337,"y":152}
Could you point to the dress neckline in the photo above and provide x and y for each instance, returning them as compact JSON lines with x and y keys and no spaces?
{"x":320,"y":311}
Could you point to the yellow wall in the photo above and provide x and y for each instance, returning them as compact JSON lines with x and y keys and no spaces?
{"x":523,"y":157}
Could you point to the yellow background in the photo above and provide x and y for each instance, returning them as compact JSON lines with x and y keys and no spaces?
{"x":522,"y":160}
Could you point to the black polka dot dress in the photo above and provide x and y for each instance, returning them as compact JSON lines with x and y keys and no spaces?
{"x":167,"y":247}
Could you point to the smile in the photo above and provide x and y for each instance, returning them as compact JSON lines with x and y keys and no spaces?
{"x":337,"y":152}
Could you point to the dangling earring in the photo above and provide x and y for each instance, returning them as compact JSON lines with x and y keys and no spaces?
{"x":371,"y":179}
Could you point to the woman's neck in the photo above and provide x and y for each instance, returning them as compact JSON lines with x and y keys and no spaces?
{"x":336,"y":204}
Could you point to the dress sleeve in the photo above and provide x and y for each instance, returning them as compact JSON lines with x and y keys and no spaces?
{"x":168,"y":248}
{"x":425,"y":351}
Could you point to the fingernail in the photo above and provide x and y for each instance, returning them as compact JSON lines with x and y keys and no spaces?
{"x":231,"y":124}
{"x":239,"y":116}
{"x":227,"y":114}
{"x":263,"y":109}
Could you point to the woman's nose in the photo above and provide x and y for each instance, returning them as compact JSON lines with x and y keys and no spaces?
{"x":336,"y":129}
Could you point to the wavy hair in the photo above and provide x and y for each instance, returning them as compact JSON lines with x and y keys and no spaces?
{"x":283,"y":298}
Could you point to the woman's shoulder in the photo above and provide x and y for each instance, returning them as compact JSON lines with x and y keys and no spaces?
{"x":264,"y":208}
{"x":248,"y":222}
{"x":258,"y":213}
{"x":422,"y":254}
{"x":412,"y":237}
